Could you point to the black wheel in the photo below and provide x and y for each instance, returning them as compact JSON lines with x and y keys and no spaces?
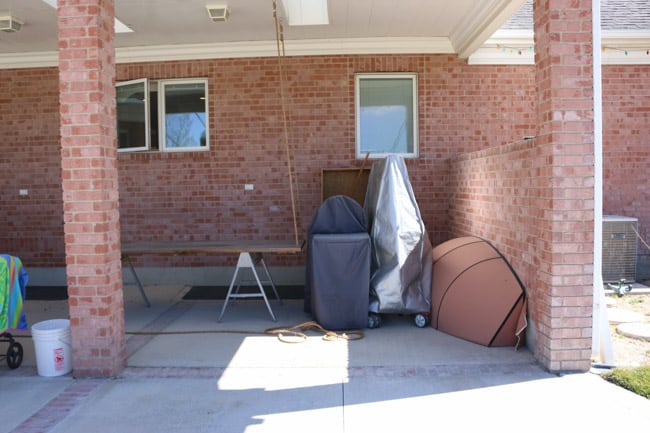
{"x":14,"y":355}
{"x":421,"y":320}
{"x":374,"y":321}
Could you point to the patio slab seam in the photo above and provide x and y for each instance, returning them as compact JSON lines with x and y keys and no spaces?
{"x":441,"y":370}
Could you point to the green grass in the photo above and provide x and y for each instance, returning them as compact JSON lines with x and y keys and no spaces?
{"x":636,"y":379}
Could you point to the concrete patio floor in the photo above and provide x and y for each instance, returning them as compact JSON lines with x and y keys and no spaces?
{"x":188,"y":372}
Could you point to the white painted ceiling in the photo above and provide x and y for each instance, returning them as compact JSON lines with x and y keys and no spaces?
{"x":458,"y":26}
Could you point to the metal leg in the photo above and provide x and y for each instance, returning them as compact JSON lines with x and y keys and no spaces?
{"x":137,"y":280}
{"x":225,"y":302}
{"x":270,"y":280}
{"x":257,"y":258}
{"x":259,"y":284}
{"x":248,"y":260}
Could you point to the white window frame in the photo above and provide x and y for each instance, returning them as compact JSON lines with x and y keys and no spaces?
{"x":160,"y":89}
{"x":161,"y":115}
{"x":147,"y":116}
{"x":360,"y":154}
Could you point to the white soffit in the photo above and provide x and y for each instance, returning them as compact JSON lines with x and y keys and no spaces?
{"x":487,"y":18}
{"x":314,"y":47}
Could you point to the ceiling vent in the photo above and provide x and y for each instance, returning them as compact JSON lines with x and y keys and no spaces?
{"x":619,"y":248}
{"x":10,"y":24}
{"x":218,"y":13}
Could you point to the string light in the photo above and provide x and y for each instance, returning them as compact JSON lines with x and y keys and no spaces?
{"x":627,"y":51}
{"x":521,"y":50}
{"x":511,"y":50}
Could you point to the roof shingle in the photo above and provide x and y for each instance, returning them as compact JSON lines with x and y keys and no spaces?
{"x":615,"y":15}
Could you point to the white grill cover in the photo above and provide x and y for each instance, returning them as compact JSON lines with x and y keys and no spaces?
{"x":401,"y":250}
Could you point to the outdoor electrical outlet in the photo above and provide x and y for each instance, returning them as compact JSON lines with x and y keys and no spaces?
{"x":23,"y":192}
{"x":249,"y":187}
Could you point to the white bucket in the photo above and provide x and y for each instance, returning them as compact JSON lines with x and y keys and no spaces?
{"x":52,"y":344}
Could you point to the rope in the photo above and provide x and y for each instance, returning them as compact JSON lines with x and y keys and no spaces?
{"x":203,"y":331}
{"x":640,"y":238}
{"x":297,"y":333}
{"x":279,"y":37}
{"x":292,"y":334}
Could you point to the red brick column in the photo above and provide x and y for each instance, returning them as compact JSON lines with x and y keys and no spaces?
{"x":562,"y":302}
{"x":90,"y":186}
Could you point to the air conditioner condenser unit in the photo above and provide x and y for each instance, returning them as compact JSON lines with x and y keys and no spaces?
{"x":619,"y":248}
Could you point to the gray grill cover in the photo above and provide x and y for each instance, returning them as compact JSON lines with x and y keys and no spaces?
{"x":340,"y":279}
{"x":339,"y":214}
{"x":402,"y":259}
{"x":336,"y":215}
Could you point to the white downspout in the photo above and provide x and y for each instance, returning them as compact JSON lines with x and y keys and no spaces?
{"x":601,"y":340}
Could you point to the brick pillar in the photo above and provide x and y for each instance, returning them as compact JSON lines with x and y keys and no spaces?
{"x":90,"y":187}
{"x":565,"y":183}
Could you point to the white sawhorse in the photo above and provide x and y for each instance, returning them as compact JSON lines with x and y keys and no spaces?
{"x":250,"y":260}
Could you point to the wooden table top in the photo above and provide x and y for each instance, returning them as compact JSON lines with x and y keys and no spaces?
{"x":192,"y":247}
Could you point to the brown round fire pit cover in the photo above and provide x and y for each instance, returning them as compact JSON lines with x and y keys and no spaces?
{"x":476,"y":295}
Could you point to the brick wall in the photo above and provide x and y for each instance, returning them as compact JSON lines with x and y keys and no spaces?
{"x":200,"y":195}
{"x":626,"y":144}
{"x":493,"y":195}
{"x":30,"y":159}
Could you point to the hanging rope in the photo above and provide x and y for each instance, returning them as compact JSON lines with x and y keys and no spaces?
{"x":279,"y":40}
{"x":640,"y":238}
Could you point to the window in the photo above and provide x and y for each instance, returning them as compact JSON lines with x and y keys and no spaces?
{"x":170,"y":115}
{"x":133,"y":115}
{"x":182,"y":113}
{"x":386,"y":114}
